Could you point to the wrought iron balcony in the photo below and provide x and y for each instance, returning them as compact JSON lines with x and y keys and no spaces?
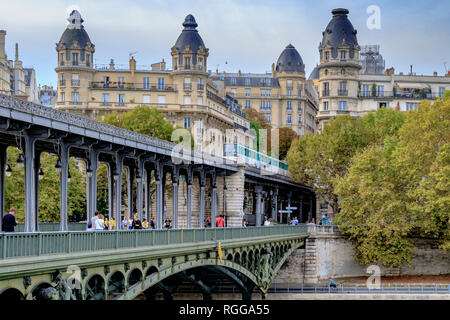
{"x":325,"y":93}
{"x":132,"y":86}
{"x":187,"y":86}
{"x":75,"y":83}
{"x":342,"y":93}
{"x":200,"y":86}
{"x":417,"y":95}
{"x":62,"y":83}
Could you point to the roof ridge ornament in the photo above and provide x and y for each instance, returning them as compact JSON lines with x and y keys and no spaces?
{"x":75,"y":20}
{"x":190,"y":23}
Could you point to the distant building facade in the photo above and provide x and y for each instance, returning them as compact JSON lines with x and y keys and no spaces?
{"x":284,"y":97}
{"x":47,"y":96}
{"x":352,"y":79}
{"x":186,"y":94}
{"x":16,"y":80}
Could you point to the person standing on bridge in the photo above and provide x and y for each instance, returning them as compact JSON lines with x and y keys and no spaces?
{"x":9,"y":221}
{"x":136,"y":224}
{"x":220,"y":222}
{"x":99,"y":224}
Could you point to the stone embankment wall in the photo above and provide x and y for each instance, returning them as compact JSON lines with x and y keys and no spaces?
{"x":327,"y":254}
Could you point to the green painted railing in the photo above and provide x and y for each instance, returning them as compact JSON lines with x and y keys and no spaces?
{"x":24,"y":244}
{"x":51,"y":226}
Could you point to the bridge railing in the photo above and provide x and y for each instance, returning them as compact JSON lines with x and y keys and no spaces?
{"x":24,"y":244}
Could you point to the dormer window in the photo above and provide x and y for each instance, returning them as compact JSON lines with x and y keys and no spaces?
{"x":187,"y":62}
{"x":343,"y":55}
{"x":200,"y":63}
{"x":233,"y":81}
{"x":326,"y":72}
{"x":75,"y":58}
{"x":327,"y":55}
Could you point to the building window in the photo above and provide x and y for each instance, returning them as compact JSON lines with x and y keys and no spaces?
{"x":268,"y":81}
{"x":187,"y":84}
{"x":268,"y":105}
{"x":121,"y":98}
{"x":289,"y":118}
{"x":441,"y":92}
{"x":199,"y":125}
{"x":289,"y":105}
{"x":247,"y":92}
{"x":411,"y":106}
{"x":161,"y":84}
{"x":268,"y":117}
{"x":326,"y":72}
{"x":75,"y":96}
{"x":342,"y":71}
{"x":233,"y":81}
{"x":187,"y":123}
{"x":299,"y":119}
{"x":233,"y":92}
{"x":200,"y":101}
{"x":300,"y":109}
{"x":327,"y":55}
{"x":146,"y":83}
{"x":342,"y":88}
{"x":326,"y":89}
{"x":247,"y":81}
{"x":146,"y":99}
{"x":299,"y":131}
{"x":75,"y":59}
{"x":262,"y":105}
{"x":62,"y":59}
{"x":88,"y":60}
{"x":247,"y":104}
{"x":325,"y":106}
{"x":121,"y":82}
{"x":187,"y":100}
{"x":187,"y":62}
{"x":200,"y":63}
{"x":161,"y":100}
{"x":289,"y":92}
{"x":365,"y":90}
{"x":200,"y":86}
{"x":342,"y":105}
{"x":63,"y":97}
{"x":105,"y":97}
{"x":343,"y":55}
{"x":380,"y":91}
{"x":75,"y":80}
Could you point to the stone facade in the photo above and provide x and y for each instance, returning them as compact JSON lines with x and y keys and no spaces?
{"x":330,"y":255}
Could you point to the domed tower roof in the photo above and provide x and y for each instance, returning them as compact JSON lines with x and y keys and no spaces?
{"x":339,"y":32}
{"x":189,"y":36}
{"x":75,"y":31}
{"x":290,"y":60}
{"x":314,"y":74}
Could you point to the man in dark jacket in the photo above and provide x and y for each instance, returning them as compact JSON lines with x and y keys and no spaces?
{"x":136,"y":223}
{"x":9,"y":221}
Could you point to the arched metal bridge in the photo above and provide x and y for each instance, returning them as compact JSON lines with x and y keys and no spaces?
{"x":106,"y":265}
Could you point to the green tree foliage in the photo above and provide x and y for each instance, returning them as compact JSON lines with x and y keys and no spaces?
{"x":286,"y":137}
{"x":257,"y":122}
{"x":49,"y":197}
{"x":142,"y":119}
{"x":398,"y":188}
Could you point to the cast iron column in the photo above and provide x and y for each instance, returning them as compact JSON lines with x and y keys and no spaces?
{"x":63,"y":177}
{"x":30,"y":184}
{"x":175,"y":198}
{"x":130,"y":180}
{"x":289,"y":204}
{"x":301,"y":207}
{"x":258,"y":191}
{"x":37,"y":165}
{"x":118,"y":171}
{"x":213,"y":200}
{"x":93,"y":161}
{"x":148,"y":181}
{"x":139,"y":191}
{"x":2,"y":181}
{"x":159,"y":195}
{"x":202,"y":200}
{"x":111,"y":191}
{"x":275,"y":207}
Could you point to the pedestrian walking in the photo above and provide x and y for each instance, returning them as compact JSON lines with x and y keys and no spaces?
{"x":152,"y":223}
{"x":99,"y":223}
{"x":9,"y":221}
{"x":220,"y":221}
{"x":112,"y":224}
{"x":145,"y":224}
{"x":136,"y":223}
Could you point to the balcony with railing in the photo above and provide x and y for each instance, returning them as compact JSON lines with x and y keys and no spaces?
{"x":325,"y":93}
{"x":342,"y":92}
{"x":200,"y":86}
{"x":416,"y":95}
{"x":187,"y":86}
{"x":102,"y":85}
{"x":62,"y":83}
{"x":75,"y":83}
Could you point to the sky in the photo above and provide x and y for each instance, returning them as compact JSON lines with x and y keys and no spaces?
{"x":246,"y":35}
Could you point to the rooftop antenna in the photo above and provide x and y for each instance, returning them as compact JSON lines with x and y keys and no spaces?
{"x":130,"y":54}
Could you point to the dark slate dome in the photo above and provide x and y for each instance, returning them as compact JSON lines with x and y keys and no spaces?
{"x":339,"y":31}
{"x":314,"y":74}
{"x":75,"y":31}
{"x":189,"y":36}
{"x":290,"y":60}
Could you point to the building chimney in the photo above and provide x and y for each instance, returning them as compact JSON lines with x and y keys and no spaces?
{"x":2,"y":45}
{"x":132,"y":65}
{"x":163,"y":65}
{"x":435,"y":74}
{"x":17,"y":52}
{"x":111,"y":64}
{"x":273,"y":69}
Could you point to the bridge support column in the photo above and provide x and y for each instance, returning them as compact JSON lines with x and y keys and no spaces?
{"x":289,"y":204}
{"x":139,"y":191}
{"x":111,"y":191}
{"x":159,"y":195}
{"x":258,"y":192}
{"x":275,"y":206}
{"x":189,"y":204}
{"x":130,"y":180}
{"x":92,"y":196}
{"x":148,"y":180}
{"x":310,"y":210}
{"x":202,"y":206}
{"x":118,"y":194}
{"x":175,"y":184}
{"x":3,"y":162}
{"x":63,"y":177}
{"x":37,"y":165}
{"x":213,"y":200}
{"x":30,"y":184}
